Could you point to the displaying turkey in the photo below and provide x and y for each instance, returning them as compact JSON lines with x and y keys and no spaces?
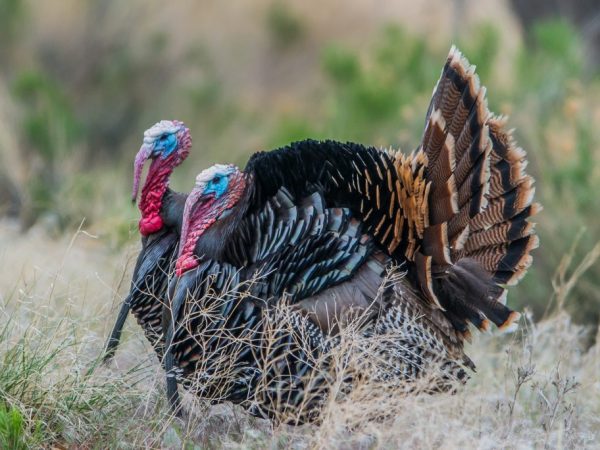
{"x":412,"y":247}
{"x":167,"y":144}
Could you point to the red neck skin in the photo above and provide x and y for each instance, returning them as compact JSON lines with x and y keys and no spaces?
{"x":157,"y":182}
{"x":202,"y":218}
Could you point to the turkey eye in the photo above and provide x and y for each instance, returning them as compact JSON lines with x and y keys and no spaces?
{"x":216,"y":180}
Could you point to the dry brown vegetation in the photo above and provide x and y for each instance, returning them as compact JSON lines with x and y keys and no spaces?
{"x":537,"y":387}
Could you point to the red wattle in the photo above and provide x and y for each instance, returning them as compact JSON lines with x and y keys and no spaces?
{"x":187,"y":260}
{"x":153,"y":191}
{"x":151,"y":224}
{"x":184,"y":264}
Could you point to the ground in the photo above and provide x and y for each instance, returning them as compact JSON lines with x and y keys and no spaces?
{"x":537,"y":387}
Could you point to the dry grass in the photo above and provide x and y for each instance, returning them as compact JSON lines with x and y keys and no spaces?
{"x":535,"y":388}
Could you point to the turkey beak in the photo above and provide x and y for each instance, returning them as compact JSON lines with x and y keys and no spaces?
{"x":138,"y":165}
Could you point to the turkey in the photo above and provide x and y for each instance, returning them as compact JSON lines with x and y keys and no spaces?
{"x":167,"y":144}
{"x":419,"y":247}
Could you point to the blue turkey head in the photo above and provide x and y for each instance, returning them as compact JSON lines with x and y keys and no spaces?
{"x":168,"y":141}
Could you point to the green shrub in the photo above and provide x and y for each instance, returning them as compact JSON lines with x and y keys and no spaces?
{"x":11,"y":18}
{"x":285,"y":27}
{"x":12,"y":429}
{"x":50,"y":131}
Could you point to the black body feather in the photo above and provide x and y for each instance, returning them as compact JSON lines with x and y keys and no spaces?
{"x":151,"y":274}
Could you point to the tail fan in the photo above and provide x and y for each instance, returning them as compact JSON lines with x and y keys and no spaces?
{"x":478,"y":237}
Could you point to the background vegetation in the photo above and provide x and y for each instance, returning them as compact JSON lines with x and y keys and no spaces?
{"x":80,"y":81}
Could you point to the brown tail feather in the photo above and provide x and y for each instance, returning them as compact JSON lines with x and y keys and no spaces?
{"x":480,"y":199}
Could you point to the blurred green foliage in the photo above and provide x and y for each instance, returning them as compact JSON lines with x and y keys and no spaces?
{"x":11,"y":15}
{"x":376,"y":97}
{"x":483,"y":49}
{"x":285,"y":27}
{"x":50,"y":131}
{"x":49,"y":124}
{"x":546,"y":68}
{"x":367,"y":100}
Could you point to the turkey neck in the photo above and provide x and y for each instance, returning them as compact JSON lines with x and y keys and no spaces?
{"x":172,"y":209}
{"x":212,"y":243}
{"x":154,"y":194}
